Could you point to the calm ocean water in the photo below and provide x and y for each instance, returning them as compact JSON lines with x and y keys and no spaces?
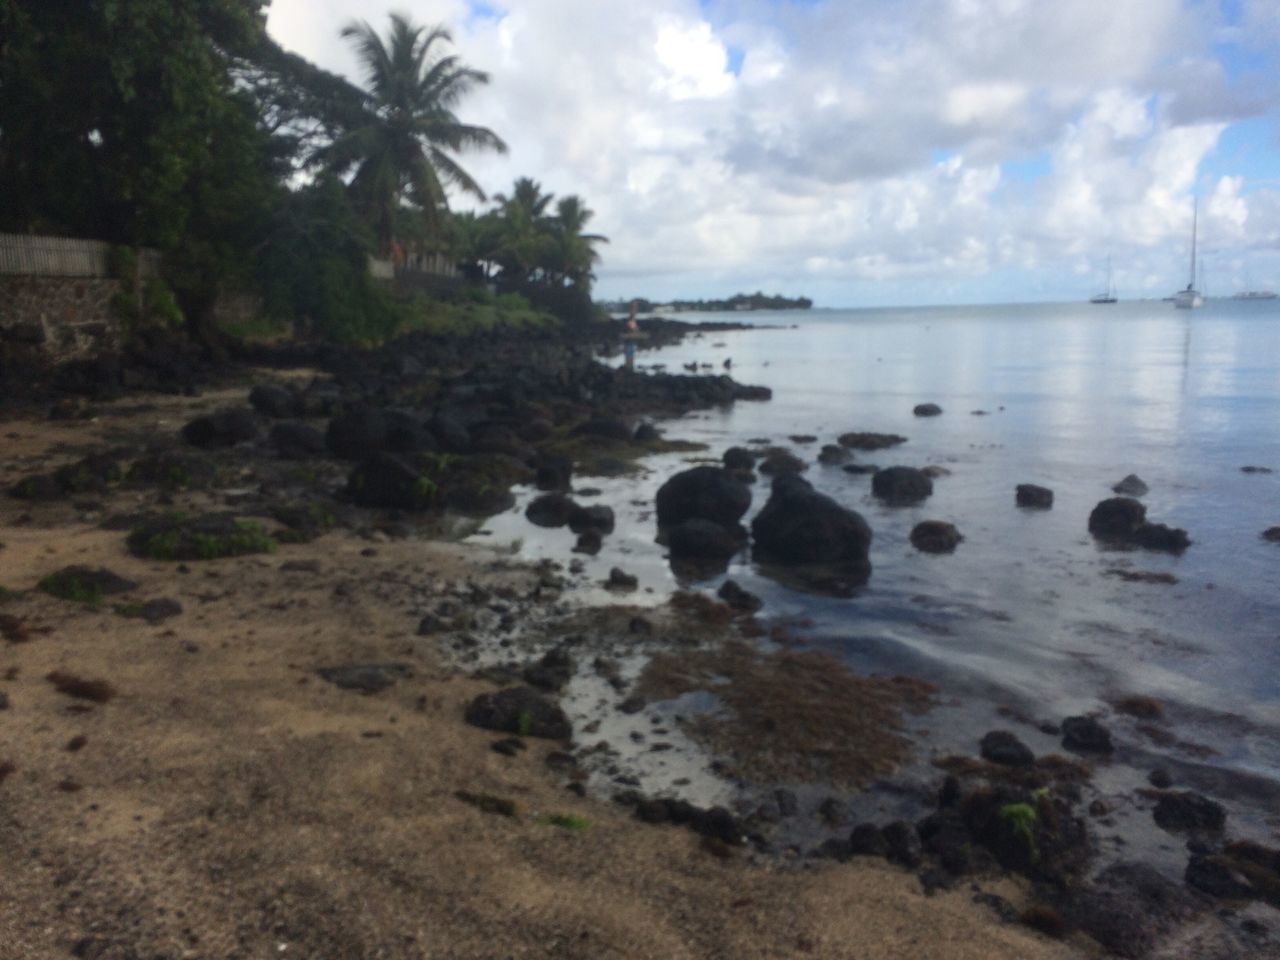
{"x":1024,"y":613}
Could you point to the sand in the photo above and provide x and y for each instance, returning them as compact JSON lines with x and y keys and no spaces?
{"x":227,"y":802}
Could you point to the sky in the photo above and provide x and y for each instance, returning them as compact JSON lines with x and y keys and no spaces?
{"x":868,"y":153}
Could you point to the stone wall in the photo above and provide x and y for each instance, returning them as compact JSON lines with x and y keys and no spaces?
{"x":59,"y":318}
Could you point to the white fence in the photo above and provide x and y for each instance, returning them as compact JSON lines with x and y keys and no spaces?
{"x":30,"y":256}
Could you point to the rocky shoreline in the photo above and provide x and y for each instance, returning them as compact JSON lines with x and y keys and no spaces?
{"x":311,"y":496}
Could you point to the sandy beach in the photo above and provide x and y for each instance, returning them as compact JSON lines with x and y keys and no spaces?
{"x":223,"y":800}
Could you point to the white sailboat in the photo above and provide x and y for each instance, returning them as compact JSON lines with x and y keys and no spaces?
{"x":1190,"y":298}
{"x":1109,"y":296}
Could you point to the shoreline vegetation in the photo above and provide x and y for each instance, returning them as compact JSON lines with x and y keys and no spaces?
{"x":738,"y":302}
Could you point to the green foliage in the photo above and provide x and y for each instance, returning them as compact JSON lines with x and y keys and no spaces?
{"x":315,"y":269}
{"x":122,"y":263}
{"x":567,"y":821}
{"x":524,"y":723}
{"x":68,"y":586}
{"x":1020,"y":819}
{"x":177,"y":539}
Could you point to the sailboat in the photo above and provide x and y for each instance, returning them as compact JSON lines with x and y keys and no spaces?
{"x":1190,"y":297}
{"x":1109,"y":296}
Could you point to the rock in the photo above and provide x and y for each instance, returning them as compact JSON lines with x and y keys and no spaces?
{"x":1218,"y":877}
{"x":1157,"y":536}
{"x":388,"y":481}
{"x":777,"y":462}
{"x":927,"y":410}
{"x":833,"y":848}
{"x":357,"y":434}
{"x":1085,"y":735}
{"x":798,"y":525}
{"x":716,"y":822}
{"x":702,"y":493}
{"x":297,"y":441}
{"x":860,"y":469}
{"x":903,"y":843}
{"x":552,"y":672}
{"x":703,"y":540}
{"x":598,"y":517}
{"x":519,"y":710}
{"x":225,"y":428}
{"x":833,"y":811}
{"x":1187,"y":810}
{"x":1122,"y":520}
{"x":1034,"y":497}
{"x":273,"y":400}
{"x":37,"y":487}
{"x":365,"y":677}
{"x":407,"y":434}
{"x":174,"y":471}
{"x":1271,"y":534}
{"x":1129,"y":907}
{"x":550,"y":510}
{"x":869,"y":441}
{"x":589,"y":542}
{"x":209,"y":536}
{"x":1255,"y":469}
{"x":900,"y":486}
{"x":553,"y":472}
{"x":1001,"y":746}
{"x":153,"y":611}
{"x":1131,"y":486}
{"x":1160,"y":778}
{"x":833,"y":455}
{"x":867,"y":840}
{"x":605,"y":428}
{"x":646,"y":433}
{"x":620,"y":580}
{"x":85,"y":584}
{"x":96,"y":473}
{"x":449,"y":432}
{"x":935,"y":536}
{"x":739,"y":599}
{"x":945,"y":835}
{"x":1117,"y":518}
{"x":739,"y":458}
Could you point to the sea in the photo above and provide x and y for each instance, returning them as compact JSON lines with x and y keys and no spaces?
{"x":1029,"y":620}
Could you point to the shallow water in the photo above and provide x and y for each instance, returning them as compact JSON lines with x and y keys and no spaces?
{"x":1023,"y":614}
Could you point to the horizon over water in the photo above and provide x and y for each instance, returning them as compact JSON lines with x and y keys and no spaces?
{"x":1028,"y":614}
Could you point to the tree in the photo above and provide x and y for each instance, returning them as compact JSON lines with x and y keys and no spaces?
{"x":401,"y":148}
{"x":525,"y":245}
{"x":576,"y":252}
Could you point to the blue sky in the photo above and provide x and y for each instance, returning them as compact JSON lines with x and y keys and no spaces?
{"x":869,"y":153}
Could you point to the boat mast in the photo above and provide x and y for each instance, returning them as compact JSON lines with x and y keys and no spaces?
{"x":1195,"y":210}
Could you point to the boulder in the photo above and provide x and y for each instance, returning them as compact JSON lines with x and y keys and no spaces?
{"x":275,"y":401}
{"x":1218,"y":877}
{"x":927,"y":410}
{"x":833,"y":455}
{"x":225,"y":428}
{"x":1034,"y":497}
{"x":589,"y":542}
{"x":450,"y":433}
{"x":900,"y":486}
{"x":1271,"y":534}
{"x":1158,"y":536}
{"x":597,"y":517}
{"x":1130,"y":907}
{"x":520,"y":710}
{"x":702,"y":493}
{"x":739,"y":458}
{"x":777,"y":461}
{"x":1131,"y":486}
{"x":550,"y":510}
{"x":365,"y":677}
{"x":391,"y":482}
{"x":1085,"y":735}
{"x":407,"y":434}
{"x":1002,"y":747}
{"x":1187,"y":810}
{"x":646,"y":433}
{"x":1117,"y":518}
{"x":798,"y":525}
{"x":869,"y":441}
{"x":703,"y":540}
{"x":357,"y":433}
{"x":935,"y":536}
{"x":297,"y":441}
{"x":553,"y":472}
{"x":739,"y":599}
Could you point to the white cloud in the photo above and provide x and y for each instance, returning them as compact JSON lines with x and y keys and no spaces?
{"x":859,"y":142}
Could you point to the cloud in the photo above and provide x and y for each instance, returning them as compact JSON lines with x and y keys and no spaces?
{"x":859,"y":146}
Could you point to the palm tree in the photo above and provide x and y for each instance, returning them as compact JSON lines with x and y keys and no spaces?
{"x":576,"y":253}
{"x":402,"y":146}
{"x":526,"y":242}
